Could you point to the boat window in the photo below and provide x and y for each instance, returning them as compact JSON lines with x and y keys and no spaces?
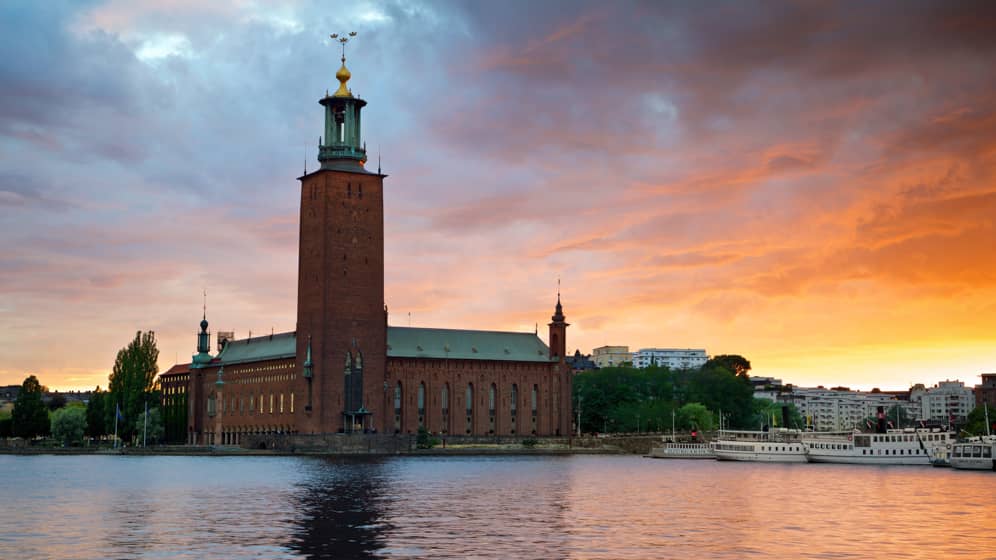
{"x":987,"y":452}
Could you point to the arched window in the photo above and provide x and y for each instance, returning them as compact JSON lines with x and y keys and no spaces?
{"x":470,"y":408}
{"x":514,"y":405}
{"x":397,"y":407}
{"x":421,"y":405}
{"x":445,"y":404}
{"x":492,"y":398}
{"x":535,"y":402}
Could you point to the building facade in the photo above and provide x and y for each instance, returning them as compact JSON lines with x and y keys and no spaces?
{"x":832,"y":410}
{"x":946,"y":402}
{"x":985,"y":393}
{"x":673,"y":358}
{"x":611,"y":356}
{"x":344,"y":369}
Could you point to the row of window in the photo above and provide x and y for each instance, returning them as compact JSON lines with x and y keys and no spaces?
{"x":266,"y":379}
{"x":238,"y":404}
{"x":444,"y":401}
{"x":268,"y":367}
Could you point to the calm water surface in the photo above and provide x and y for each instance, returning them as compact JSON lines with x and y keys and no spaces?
{"x":482,"y":507}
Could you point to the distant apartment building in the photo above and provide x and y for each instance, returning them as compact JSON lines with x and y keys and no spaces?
{"x":611,"y":356}
{"x":673,"y":358}
{"x":944,"y":402}
{"x":840,"y":409}
{"x":986,"y":392}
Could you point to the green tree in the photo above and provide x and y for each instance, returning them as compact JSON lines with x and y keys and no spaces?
{"x":68,"y":424}
{"x":6,"y":424}
{"x":720,"y":390}
{"x":766,"y":411}
{"x":30,"y":417}
{"x":155,"y":430}
{"x":131,"y":382}
{"x":695,"y":416}
{"x":56,"y":401}
{"x":96,"y":423}
{"x":975,"y":424}
{"x":734,"y":363}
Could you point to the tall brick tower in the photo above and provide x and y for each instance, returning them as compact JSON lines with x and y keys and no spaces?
{"x":341,"y":318}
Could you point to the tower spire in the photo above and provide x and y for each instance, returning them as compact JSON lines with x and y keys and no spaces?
{"x":341,"y":147}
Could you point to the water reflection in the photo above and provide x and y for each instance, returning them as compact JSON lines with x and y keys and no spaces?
{"x":339,"y":502}
{"x":486,"y":507}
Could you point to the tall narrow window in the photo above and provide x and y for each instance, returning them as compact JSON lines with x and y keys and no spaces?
{"x":514,"y":405}
{"x":281,"y":403}
{"x":535,"y":399}
{"x":252,"y":403}
{"x":421,"y":405}
{"x":292,"y":403}
{"x":271,"y":403}
{"x":470,"y":408}
{"x":492,"y":397}
{"x":398,"y":394}
{"x":445,"y":404}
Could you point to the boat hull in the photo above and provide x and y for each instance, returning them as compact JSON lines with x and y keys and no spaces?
{"x":871,"y":460}
{"x":761,"y":457}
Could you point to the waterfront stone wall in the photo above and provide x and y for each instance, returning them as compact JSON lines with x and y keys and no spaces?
{"x":393,"y":444}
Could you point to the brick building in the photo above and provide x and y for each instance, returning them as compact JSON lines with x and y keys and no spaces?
{"x":985,"y":393}
{"x":345,"y":369}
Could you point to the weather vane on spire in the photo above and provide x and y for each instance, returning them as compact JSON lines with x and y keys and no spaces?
{"x":343,"y":40}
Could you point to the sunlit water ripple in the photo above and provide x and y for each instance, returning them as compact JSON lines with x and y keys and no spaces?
{"x":487,"y":507}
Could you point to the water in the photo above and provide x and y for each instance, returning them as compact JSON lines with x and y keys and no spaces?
{"x":487,"y":507}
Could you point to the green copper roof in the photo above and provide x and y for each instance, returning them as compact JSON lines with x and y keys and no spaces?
{"x":413,"y":342}
{"x":268,"y":347}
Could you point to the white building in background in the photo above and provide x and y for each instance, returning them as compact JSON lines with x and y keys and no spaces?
{"x":943,"y":402}
{"x":673,"y":358}
{"x":841,"y":410}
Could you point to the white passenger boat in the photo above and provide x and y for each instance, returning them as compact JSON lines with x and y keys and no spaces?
{"x":976,"y":454}
{"x":778,"y":445}
{"x":678,"y":450}
{"x":894,"y":447}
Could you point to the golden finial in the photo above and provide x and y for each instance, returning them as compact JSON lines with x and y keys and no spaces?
{"x":343,"y":74}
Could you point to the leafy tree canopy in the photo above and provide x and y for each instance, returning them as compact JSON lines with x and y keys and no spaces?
{"x":975,"y":424}
{"x":96,"y":423}
{"x":68,"y":424}
{"x":733,"y":363}
{"x":131,"y":382}
{"x":30,"y":416}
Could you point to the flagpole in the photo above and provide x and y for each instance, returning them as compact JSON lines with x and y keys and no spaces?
{"x":117,"y":412}
{"x":145,"y":423}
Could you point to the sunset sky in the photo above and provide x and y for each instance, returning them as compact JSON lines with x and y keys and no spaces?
{"x":809,"y":184}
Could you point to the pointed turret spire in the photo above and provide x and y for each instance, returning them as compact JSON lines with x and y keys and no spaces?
{"x":203,"y":355}
{"x":558,"y":314}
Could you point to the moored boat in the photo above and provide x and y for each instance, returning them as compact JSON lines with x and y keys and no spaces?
{"x":894,"y":447}
{"x":975,"y":454}
{"x":778,"y":445}
{"x":678,"y":450}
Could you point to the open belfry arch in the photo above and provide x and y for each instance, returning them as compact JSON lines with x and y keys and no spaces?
{"x":344,"y":369}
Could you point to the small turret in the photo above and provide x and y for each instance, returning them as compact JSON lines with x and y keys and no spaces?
{"x":558,"y":330}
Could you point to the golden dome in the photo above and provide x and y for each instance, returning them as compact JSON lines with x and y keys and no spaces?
{"x":343,"y":76}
